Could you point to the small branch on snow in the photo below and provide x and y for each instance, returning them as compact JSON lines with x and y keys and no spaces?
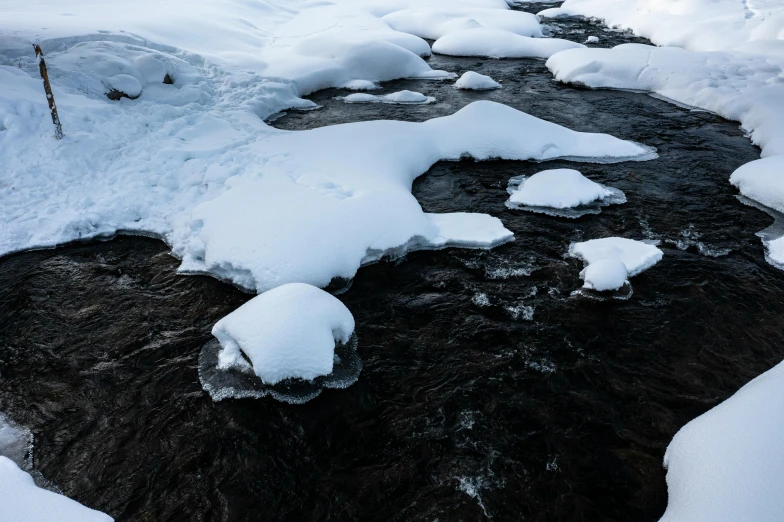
{"x":58,"y":128}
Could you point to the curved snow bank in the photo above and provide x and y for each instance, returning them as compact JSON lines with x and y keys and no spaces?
{"x":22,"y":501}
{"x":476,"y":81}
{"x":728,"y":464}
{"x":497,"y":43}
{"x":333,"y":198}
{"x":636,"y":256}
{"x":762,"y":180}
{"x":432,"y":24}
{"x":287,"y":332}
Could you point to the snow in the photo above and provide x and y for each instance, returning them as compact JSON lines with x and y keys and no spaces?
{"x":762,"y":180}
{"x":287,"y":332}
{"x":360,"y":85}
{"x":729,"y":60}
{"x":16,"y":442}
{"x":435,"y":23}
{"x":401,"y":97}
{"x":592,"y":39}
{"x":557,"y":188}
{"x":497,"y":43}
{"x":602,"y":271}
{"x":728,"y":464}
{"x":22,"y":501}
{"x":476,"y":81}
{"x":605,"y":274}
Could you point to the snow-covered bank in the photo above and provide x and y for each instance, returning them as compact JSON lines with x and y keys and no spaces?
{"x":22,"y":501}
{"x":728,"y":464}
{"x":731,"y":63}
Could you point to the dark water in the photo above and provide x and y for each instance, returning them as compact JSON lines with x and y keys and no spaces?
{"x":467,"y":408}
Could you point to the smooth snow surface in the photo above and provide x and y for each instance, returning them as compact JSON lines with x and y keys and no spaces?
{"x":435,"y":23}
{"x":287,"y":332}
{"x":497,"y":43}
{"x":22,"y":501}
{"x":605,"y":274}
{"x":476,"y":81}
{"x":728,"y":464}
{"x":636,"y":256}
{"x":561,"y":192}
{"x":557,"y":188}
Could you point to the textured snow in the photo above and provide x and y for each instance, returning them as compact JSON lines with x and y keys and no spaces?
{"x":22,"y":501}
{"x":728,"y":464}
{"x":497,"y":43}
{"x":476,"y":81}
{"x":605,"y":274}
{"x":557,"y":188}
{"x":287,"y":332}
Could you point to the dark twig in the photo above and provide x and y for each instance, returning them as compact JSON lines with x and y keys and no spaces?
{"x":58,"y":128}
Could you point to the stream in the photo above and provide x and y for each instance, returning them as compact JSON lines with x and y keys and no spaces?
{"x":488,"y":390}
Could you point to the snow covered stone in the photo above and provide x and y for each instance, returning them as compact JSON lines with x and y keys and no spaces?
{"x":561,"y":192}
{"x":635,"y":256}
{"x":497,"y":43}
{"x":592,"y":39}
{"x":22,"y":501}
{"x":360,"y":85}
{"x":287,"y":332}
{"x":762,"y":180}
{"x":123,"y":86}
{"x":605,"y":274}
{"x":400,"y":97}
{"x":475,"y":81}
{"x":728,"y":464}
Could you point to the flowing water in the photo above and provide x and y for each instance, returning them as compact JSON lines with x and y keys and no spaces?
{"x":488,"y":390}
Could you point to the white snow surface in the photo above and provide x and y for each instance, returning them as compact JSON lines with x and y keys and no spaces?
{"x":400,"y":97}
{"x":434,"y":23}
{"x":728,"y":464}
{"x":498,"y":43}
{"x":605,"y":274}
{"x":475,"y":81}
{"x":636,"y":256}
{"x":557,"y":188}
{"x":22,"y":501}
{"x":194,"y":163}
{"x":287,"y":332}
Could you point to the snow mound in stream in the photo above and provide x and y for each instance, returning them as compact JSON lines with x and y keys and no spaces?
{"x":22,"y":501}
{"x":433,"y":24}
{"x":475,"y":81}
{"x":400,"y":97}
{"x":288,"y":332}
{"x":496,"y":43}
{"x":602,"y":258}
{"x":561,"y":192}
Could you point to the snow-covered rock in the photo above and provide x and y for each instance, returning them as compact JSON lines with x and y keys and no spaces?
{"x":605,"y":274}
{"x":636,"y":256}
{"x":401,"y":97}
{"x":287,"y":332}
{"x":728,"y":464}
{"x":475,"y":81}
{"x":557,"y":188}
{"x":22,"y":501}
{"x":497,"y":43}
{"x":561,"y":192}
{"x":591,"y":39}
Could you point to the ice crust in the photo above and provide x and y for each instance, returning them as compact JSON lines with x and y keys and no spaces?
{"x":22,"y":501}
{"x":287,"y":332}
{"x":474,"y":81}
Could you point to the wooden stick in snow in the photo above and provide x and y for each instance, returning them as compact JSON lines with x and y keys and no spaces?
{"x":58,"y":128}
